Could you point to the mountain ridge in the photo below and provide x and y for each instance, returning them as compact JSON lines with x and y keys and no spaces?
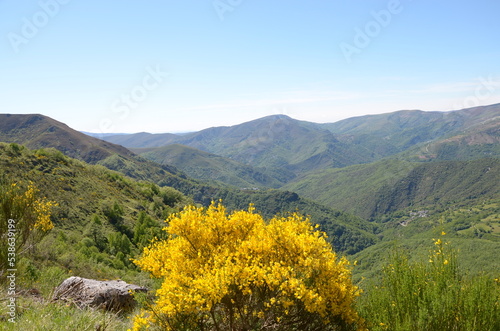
{"x":39,"y":131}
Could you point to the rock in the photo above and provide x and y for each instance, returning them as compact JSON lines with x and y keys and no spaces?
{"x":111,"y":295}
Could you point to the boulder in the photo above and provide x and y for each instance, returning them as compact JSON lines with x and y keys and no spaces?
{"x":110,"y":295}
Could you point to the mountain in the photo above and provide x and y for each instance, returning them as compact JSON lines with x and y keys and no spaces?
{"x":276,"y":141}
{"x":392,"y":133}
{"x":206,"y":166}
{"x":37,"y":131}
{"x":391,"y":185}
{"x":279,"y":144}
{"x":333,"y":169}
{"x":139,"y":140}
{"x":479,"y":141}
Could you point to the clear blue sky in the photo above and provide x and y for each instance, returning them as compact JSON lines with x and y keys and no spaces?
{"x":173,"y":66}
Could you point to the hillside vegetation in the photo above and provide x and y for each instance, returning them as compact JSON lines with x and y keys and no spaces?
{"x":37,"y":131}
{"x":102,"y":218}
{"x":83,"y":190}
{"x":472,"y":227}
{"x":374,"y":184}
{"x":210,"y":167}
{"x":392,"y":133}
{"x":390,"y":185}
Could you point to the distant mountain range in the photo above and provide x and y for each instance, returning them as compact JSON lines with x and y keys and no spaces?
{"x":276,"y":141}
{"x":342,"y":164}
{"x":367,"y":137}
{"x":323,"y":161}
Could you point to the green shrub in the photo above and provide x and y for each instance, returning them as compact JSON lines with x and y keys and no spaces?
{"x":431,"y":295}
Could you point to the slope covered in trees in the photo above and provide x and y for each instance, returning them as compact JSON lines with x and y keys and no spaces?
{"x":206,"y":166}
{"x":390,"y":185}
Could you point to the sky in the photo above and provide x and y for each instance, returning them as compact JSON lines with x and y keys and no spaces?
{"x":176,"y":66}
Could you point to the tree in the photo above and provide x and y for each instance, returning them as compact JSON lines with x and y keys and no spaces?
{"x":236,"y":272}
{"x":145,"y":230}
{"x":119,"y":242}
{"x":114,"y":213}
{"x":24,"y":221}
{"x":94,"y":231}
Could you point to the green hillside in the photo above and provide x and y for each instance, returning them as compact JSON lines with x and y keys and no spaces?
{"x":206,"y":166}
{"x":442,"y":182}
{"x":472,"y":227}
{"x":38,"y":131}
{"x":391,"y":185}
{"x":349,"y":234}
{"x":355,"y":189}
{"x":391,"y":133}
{"x":479,"y":141}
{"x":104,"y":218}
{"x":99,"y":212}
{"x":284,"y":148}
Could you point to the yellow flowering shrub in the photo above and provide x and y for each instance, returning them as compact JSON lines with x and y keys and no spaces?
{"x":24,"y":220}
{"x":234,"y":271}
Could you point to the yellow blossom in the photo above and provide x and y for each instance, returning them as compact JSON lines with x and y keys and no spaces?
{"x":214,"y":262}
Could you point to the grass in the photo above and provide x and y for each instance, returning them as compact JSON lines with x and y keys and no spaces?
{"x":431,"y":295}
{"x":35,"y":309}
{"x":39,"y":313}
